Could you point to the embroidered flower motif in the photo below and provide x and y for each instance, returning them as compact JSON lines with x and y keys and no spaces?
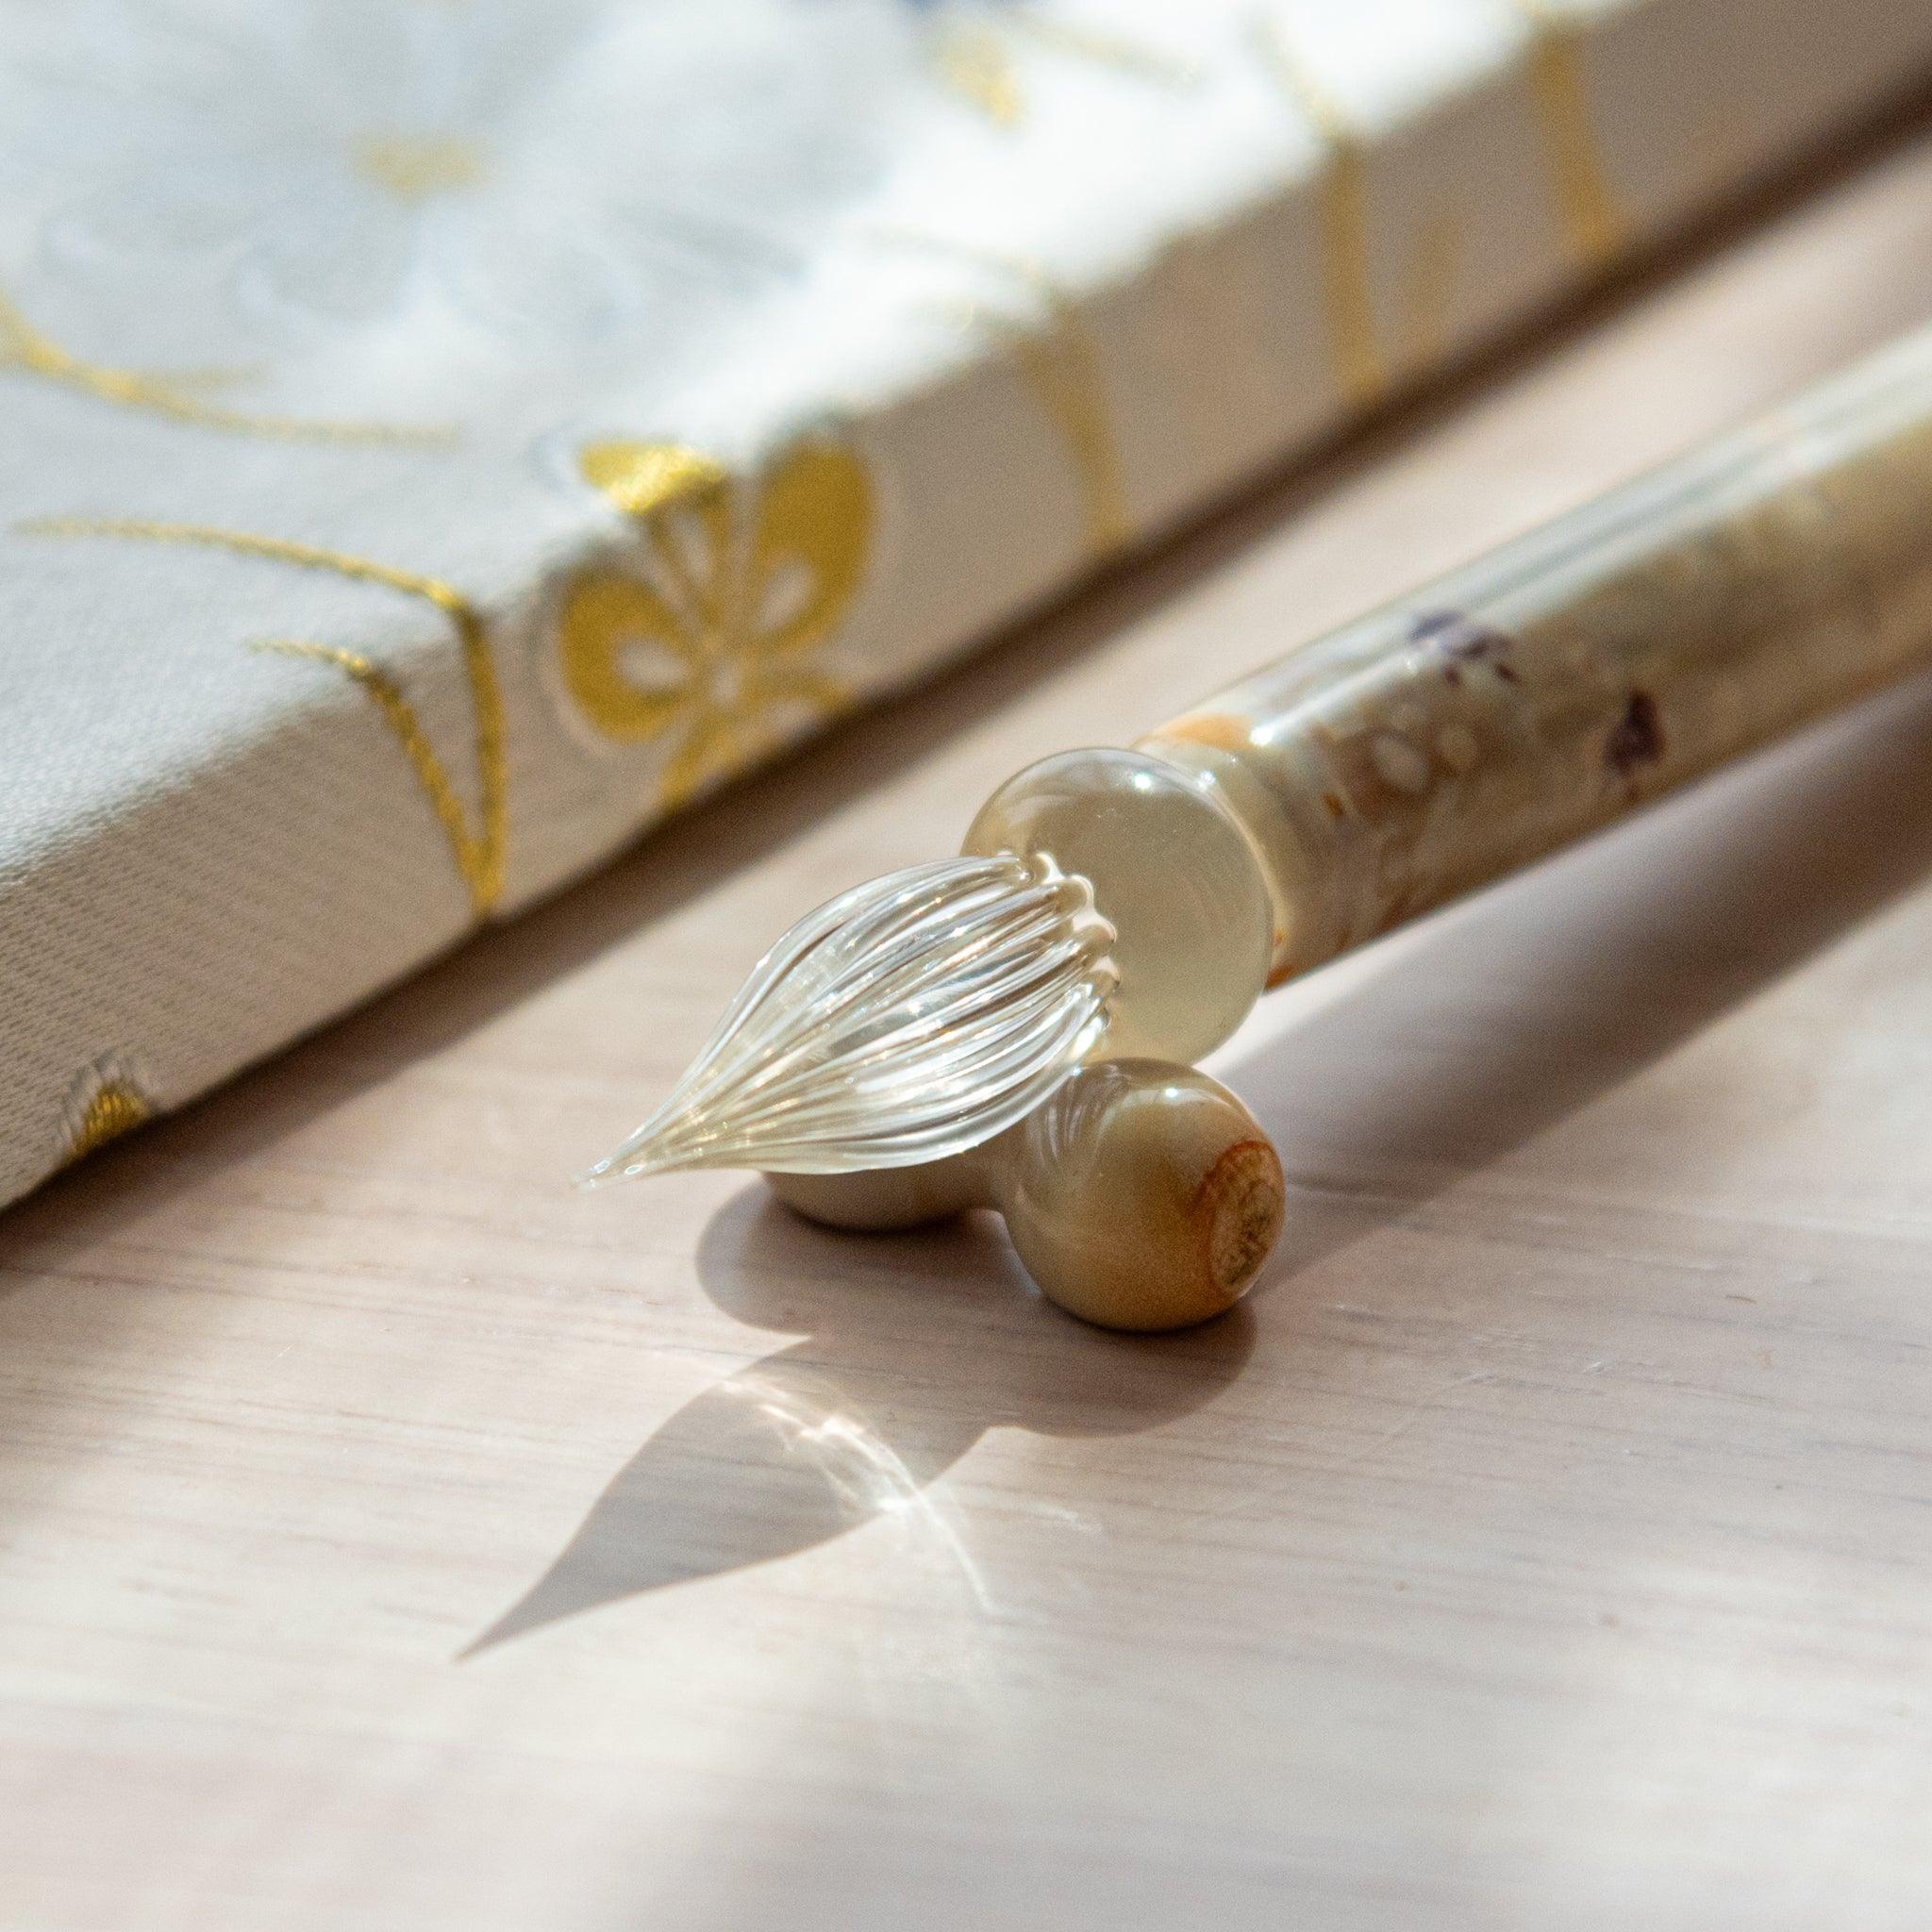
{"x":534,"y":168}
{"x":708,"y":640}
{"x":106,"y":1102}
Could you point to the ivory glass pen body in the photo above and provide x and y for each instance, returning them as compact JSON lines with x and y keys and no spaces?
{"x":1553,"y":684}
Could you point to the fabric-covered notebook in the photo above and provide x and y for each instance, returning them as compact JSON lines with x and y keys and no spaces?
{"x":443,"y":438}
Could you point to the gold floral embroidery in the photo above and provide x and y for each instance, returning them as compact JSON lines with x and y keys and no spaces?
{"x":739,"y":582}
{"x":641,"y":477}
{"x":478,"y":851}
{"x":106,"y":1103}
{"x":34,"y":353}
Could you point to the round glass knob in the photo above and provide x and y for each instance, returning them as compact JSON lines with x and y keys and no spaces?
{"x":1172,"y":873}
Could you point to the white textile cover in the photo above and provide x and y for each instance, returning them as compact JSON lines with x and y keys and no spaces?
{"x":443,"y":436}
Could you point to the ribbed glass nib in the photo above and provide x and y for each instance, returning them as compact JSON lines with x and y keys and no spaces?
{"x":907,"y":1020}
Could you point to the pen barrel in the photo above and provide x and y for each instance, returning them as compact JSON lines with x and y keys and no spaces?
{"x":1563,"y":680}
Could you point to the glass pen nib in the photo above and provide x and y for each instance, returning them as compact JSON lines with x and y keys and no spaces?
{"x":907,"y":1020}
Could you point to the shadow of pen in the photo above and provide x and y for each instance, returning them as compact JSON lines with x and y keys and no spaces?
{"x":919,"y":1343}
{"x":1504,"y":1019}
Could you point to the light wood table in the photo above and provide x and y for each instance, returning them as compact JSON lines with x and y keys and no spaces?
{"x":395,"y":1539}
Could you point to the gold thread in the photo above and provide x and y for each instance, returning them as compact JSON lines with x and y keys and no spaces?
{"x":1348,"y":296}
{"x":1578,"y":172}
{"x":644,"y":478}
{"x":33,"y":352}
{"x":1106,"y":49}
{"x":112,"y":1109}
{"x":1062,"y":366}
{"x":479,"y":854}
{"x":639,"y":477}
{"x":479,"y":869}
{"x":974,"y":63}
{"x":415,"y":168}
{"x":805,"y":525}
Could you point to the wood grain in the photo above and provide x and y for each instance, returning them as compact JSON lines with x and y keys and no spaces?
{"x":395,"y":1539}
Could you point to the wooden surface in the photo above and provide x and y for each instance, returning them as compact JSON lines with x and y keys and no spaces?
{"x":395,"y":1539}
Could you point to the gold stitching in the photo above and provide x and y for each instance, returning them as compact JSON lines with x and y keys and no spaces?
{"x":975,"y":62}
{"x":1348,"y":294}
{"x":1561,"y":91}
{"x":978,"y":68}
{"x":112,"y":1109}
{"x":33,"y":352}
{"x":1427,"y":286}
{"x":1061,"y":364}
{"x":480,"y":854}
